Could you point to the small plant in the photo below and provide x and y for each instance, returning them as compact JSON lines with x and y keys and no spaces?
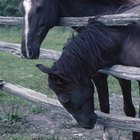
{"x":11,"y":114}
{"x":37,"y":109}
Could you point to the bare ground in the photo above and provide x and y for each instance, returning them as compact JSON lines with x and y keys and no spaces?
{"x":58,"y":124}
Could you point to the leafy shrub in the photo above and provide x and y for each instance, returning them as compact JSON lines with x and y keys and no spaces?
{"x":9,"y":7}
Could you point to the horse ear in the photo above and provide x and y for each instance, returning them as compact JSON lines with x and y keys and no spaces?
{"x":44,"y":68}
{"x":55,"y":76}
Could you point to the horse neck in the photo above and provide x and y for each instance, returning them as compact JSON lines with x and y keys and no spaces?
{"x":90,"y":7}
{"x":80,"y":8}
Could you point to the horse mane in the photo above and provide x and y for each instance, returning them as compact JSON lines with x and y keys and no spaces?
{"x":85,"y":52}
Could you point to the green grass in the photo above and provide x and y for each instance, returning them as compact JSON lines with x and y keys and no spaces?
{"x":10,"y":34}
{"x":54,"y":40}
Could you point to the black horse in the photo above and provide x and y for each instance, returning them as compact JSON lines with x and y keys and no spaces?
{"x":41,"y":15}
{"x":94,"y":48}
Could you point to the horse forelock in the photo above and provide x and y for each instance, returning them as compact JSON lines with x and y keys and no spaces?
{"x":27,"y":4}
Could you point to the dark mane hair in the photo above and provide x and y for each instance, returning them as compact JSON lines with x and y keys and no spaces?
{"x":85,"y":51}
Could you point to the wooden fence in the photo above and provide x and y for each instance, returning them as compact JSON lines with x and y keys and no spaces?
{"x":129,"y":73}
{"x":110,"y":20}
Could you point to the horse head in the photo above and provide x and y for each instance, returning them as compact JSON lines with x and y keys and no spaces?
{"x":39,"y":17}
{"x":76,"y":98}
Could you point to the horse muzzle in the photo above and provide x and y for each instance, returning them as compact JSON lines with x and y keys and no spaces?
{"x":89,"y":123}
{"x":29,"y":53}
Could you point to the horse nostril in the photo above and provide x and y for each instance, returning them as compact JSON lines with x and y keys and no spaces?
{"x":32,"y":55}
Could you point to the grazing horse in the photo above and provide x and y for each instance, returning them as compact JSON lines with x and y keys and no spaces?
{"x":95,"y":47}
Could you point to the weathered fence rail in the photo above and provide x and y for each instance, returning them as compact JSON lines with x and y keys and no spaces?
{"x":110,"y":20}
{"x":125,"y":72}
{"x":124,"y":123}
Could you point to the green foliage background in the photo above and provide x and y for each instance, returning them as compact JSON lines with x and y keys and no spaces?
{"x":9,"y":7}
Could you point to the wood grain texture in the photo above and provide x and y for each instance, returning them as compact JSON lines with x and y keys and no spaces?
{"x":124,"y":72}
{"x":110,"y":20}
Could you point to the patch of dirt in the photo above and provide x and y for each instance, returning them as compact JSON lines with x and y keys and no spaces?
{"x":58,"y":123}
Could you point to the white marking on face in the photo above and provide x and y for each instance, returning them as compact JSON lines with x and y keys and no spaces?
{"x":27,"y":6}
